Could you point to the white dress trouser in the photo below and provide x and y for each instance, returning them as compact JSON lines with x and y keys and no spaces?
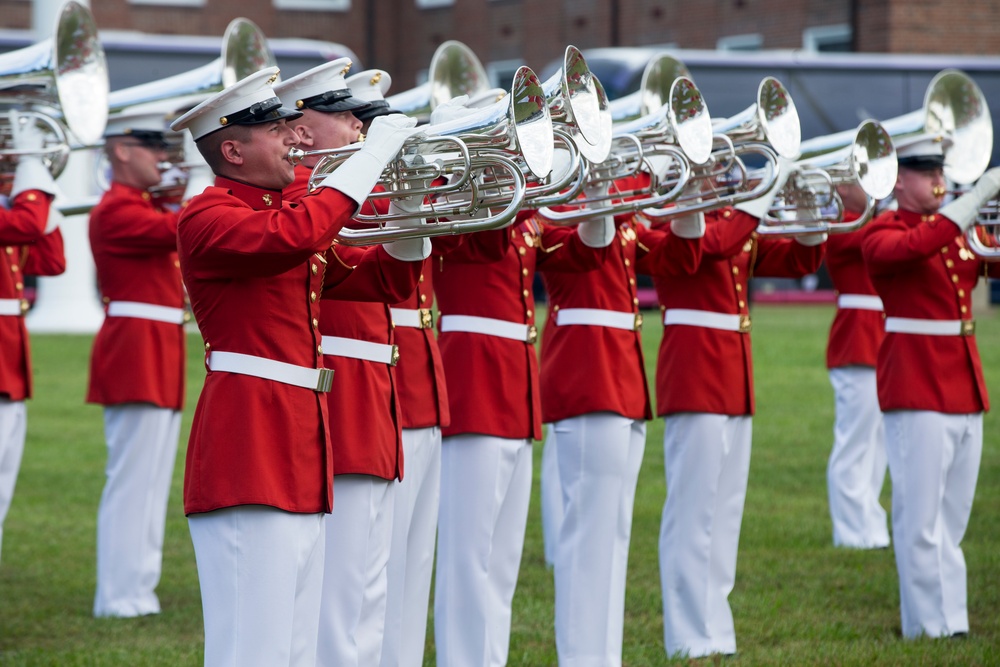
{"x":411,"y":556}
{"x":707,"y":461}
{"x":551,"y":493}
{"x":934,"y":463}
{"x":13,"y":427}
{"x":358,"y":532}
{"x":142,"y":447}
{"x":485,"y":492}
{"x":856,"y":469}
{"x":261,"y":573}
{"x":599,"y":457}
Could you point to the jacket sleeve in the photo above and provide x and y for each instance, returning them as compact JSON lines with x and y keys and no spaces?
{"x":25,"y":220}
{"x":46,"y":256}
{"x":662,"y":253}
{"x":787,"y":258}
{"x":562,"y":249}
{"x":889,"y":245}
{"x":371,"y":275}
{"x":132,"y":227}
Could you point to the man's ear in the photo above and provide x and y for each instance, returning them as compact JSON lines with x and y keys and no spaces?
{"x":306,"y":137}
{"x":231,"y":151}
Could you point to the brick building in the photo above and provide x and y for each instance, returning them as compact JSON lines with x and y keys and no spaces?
{"x":401,"y":35}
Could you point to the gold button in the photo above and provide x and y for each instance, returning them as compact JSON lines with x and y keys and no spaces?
{"x":524,"y":272}
{"x":19,"y":285}
{"x":315,"y":323}
{"x":177,"y":264}
{"x":739,"y":288}
{"x":742,"y":303}
{"x":522,"y":251}
{"x":944,"y":250}
{"x":954,"y":278}
{"x":312,"y":296}
{"x":529,"y":313}
{"x":635,"y":302}
{"x":423,"y":298}
{"x":315,"y":269}
{"x":146,"y":196}
{"x":106,"y":299}
{"x":631,"y":281}
{"x":525,"y":293}
{"x":10,"y":250}
{"x":208,"y":346}
{"x":512,"y":234}
{"x":923,"y":218}
{"x":949,"y":263}
{"x":31,"y":196}
{"x":319,"y":350}
{"x":555,"y":308}
{"x":964,"y":310}
{"x":726,"y":214}
{"x":421,"y":279}
{"x":628,"y":263}
{"x":624,"y":243}
{"x":736,"y":270}
{"x":961,"y":293}
{"x":931,"y":218}
{"x":14,"y":267}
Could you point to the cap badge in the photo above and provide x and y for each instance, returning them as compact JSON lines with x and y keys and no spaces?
{"x":271,"y":79}
{"x":376,"y":78}
{"x":347,"y":68}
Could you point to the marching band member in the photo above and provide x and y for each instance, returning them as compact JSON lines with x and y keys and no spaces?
{"x":930,"y":380}
{"x":856,"y":469}
{"x":136,"y":365}
{"x":358,"y":343}
{"x":487,"y":336}
{"x":32,"y":245}
{"x":259,"y":473}
{"x":704,"y":390}
{"x":595,"y":400}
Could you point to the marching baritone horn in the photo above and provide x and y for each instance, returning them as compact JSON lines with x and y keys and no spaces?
{"x":483,"y":157}
{"x":809,"y":202}
{"x":60,"y":84}
{"x":454,"y":71}
{"x":578,"y":103}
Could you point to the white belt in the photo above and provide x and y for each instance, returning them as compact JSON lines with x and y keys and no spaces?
{"x":353,"y":348}
{"x":13,"y":307}
{"x":859,"y":302}
{"x":707,"y":319}
{"x":596,"y":317}
{"x":146,"y":311}
{"x":910,"y":325}
{"x":526,"y":333}
{"x":415,"y":318}
{"x":317,"y":379}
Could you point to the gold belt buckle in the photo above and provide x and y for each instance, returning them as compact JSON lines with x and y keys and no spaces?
{"x":968,"y":327}
{"x":426,"y":321}
{"x":745,"y":324}
{"x":25,"y":306}
{"x":325,"y":381}
{"x":637,"y":326}
{"x":532,"y":334}
{"x":394,"y":358}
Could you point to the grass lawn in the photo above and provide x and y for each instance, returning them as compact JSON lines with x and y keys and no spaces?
{"x":797,"y":601}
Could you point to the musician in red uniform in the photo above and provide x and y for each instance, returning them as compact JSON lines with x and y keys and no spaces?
{"x":930,"y":380}
{"x":856,"y":469}
{"x":136,"y":365}
{"x":358,"y":343}
{"x":259,"y":473}
{"x":30,"y":245}
{"x":487,"y":335}
{"x":596,"y":401}
{"x":704,"y":390}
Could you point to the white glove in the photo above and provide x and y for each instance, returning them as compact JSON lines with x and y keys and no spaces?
{"x":597,"y":232}
{"x":690,"y":226}
{"x":450,"y":110}
{"x":408,"y":250}
{"x":486,"y":98}
{"x":31,"y":173}
{"x":759,"y":207}
{"x":811,"y":239}
{"x":964,"y":210}
{"x":359,"y":173}
{"x":596,"y":191}
{"x":199,"y":175}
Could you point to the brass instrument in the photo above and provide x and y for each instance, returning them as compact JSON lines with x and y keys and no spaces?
{"x":579,"y":105}
{"x":454,"y":71}
{"x":809,"y":201}
{"x":482,"y":157}
{"x":61,"y":85}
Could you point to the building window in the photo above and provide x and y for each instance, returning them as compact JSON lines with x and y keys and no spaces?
{"x":314,"y":5}
{"x":752,"y":42}
{"x":431,"y":4}
{"x":501,"y":72}
{"x":827,"y":38}
{"x":169,"y":3}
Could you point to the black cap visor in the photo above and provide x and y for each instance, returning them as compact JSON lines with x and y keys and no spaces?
{"x":267,"y":111}
{"x":922,"y":162}
{"x":334,"y":100}
{"x":376,"y":108}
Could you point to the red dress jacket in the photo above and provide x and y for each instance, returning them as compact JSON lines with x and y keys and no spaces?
{"x":587,"y":369}
{"x":855,"y":334}
{"x":921,"y":269}
{"x":26,"y":251}
{"x":710,"y":370}
{"x":134,"y":242}
{"x":363,"y":407}
{"x":492,"y":381}
{"x":254,"y":270}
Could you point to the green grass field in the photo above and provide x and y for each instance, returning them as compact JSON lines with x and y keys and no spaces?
{"x":797,"y":601}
